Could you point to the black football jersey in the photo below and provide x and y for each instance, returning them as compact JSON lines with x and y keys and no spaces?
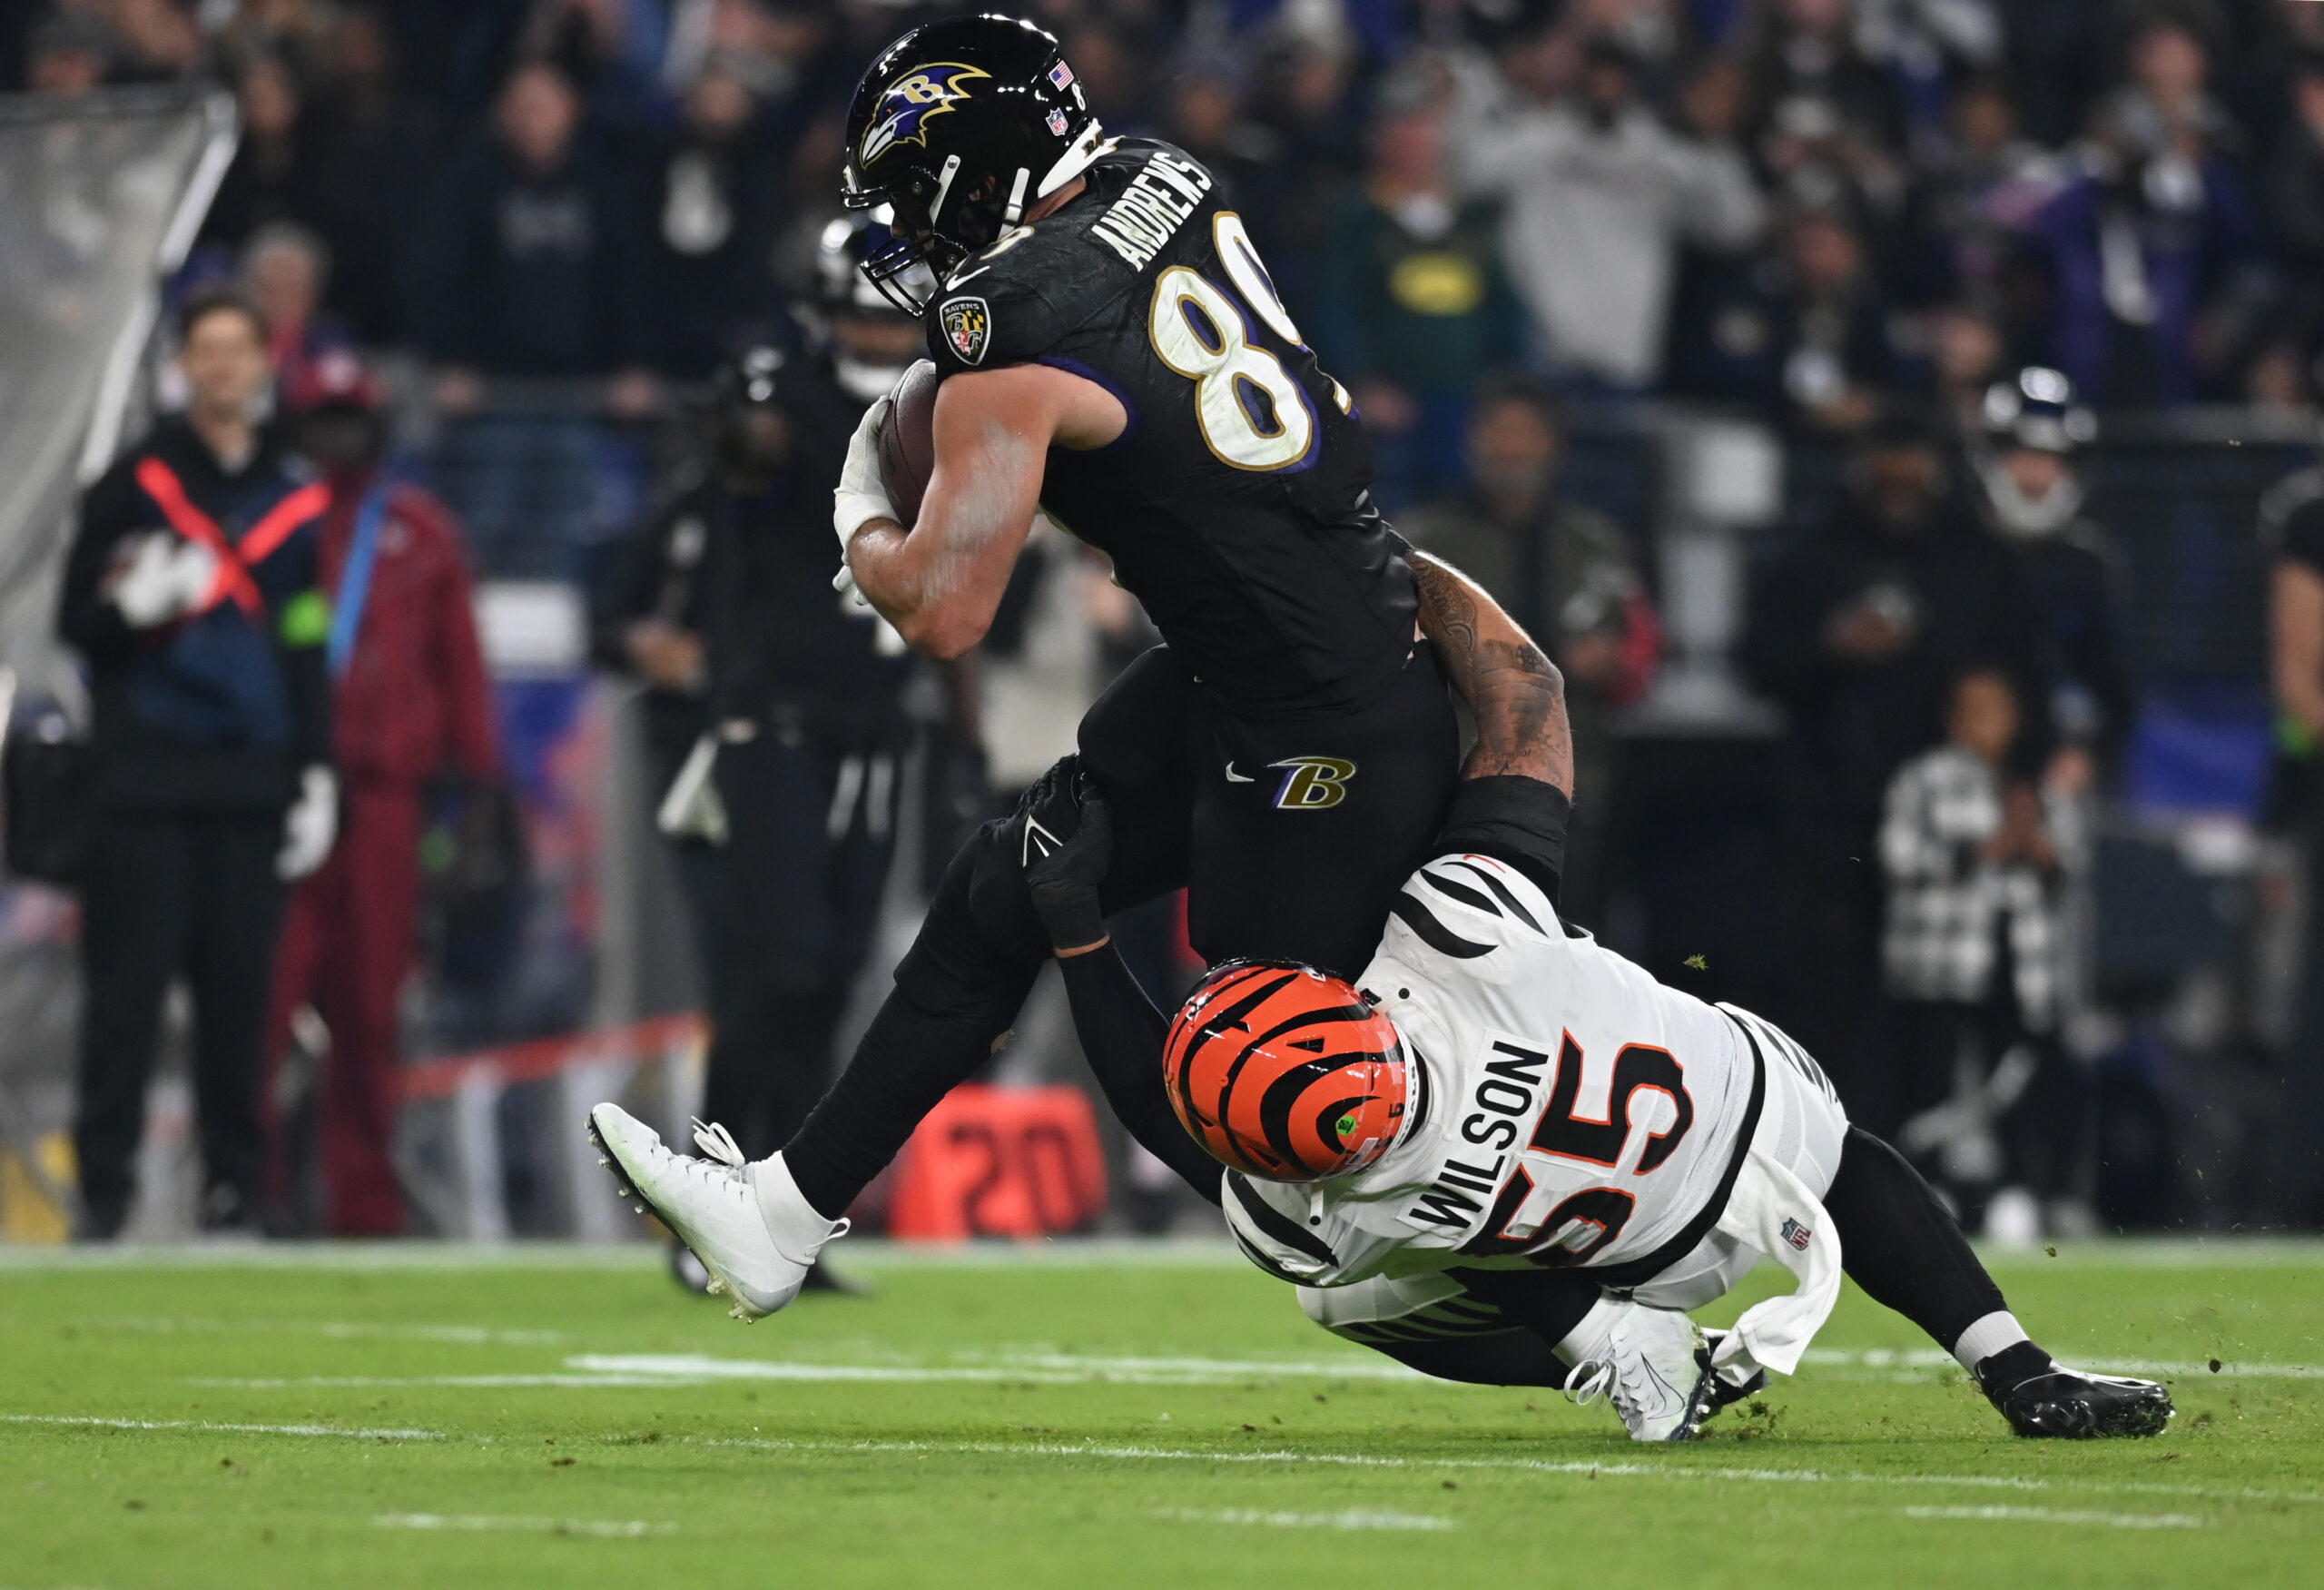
{"x":1236,"y":506}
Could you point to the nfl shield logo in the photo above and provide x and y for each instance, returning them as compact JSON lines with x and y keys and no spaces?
{"x":968,"y":326}
{"x":1062,"y":74}
{"x":1057,"y":122}
{"x":1798,"y":1235}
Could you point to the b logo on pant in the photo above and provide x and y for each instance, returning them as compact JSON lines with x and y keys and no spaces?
{"x":1311,"y":783}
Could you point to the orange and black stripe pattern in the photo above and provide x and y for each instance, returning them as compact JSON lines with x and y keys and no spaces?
{"x":1284,"y":1073}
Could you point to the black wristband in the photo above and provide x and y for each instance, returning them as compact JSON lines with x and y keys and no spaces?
{"x":1513,"y":819}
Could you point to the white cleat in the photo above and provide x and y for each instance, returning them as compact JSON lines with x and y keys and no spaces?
{"x":1653,"y":1365}
{"x":748,"y":1223}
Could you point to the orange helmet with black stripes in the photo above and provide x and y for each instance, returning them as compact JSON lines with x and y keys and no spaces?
{"x":1284,"y":1072}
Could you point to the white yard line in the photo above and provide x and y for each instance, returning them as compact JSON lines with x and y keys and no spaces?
{"x":1052,"y":1368}
{"x":1025,"y":1368}
{"x":1675,"y":1469}
{"x":450,"y":1382}
{"x":112,"y":1424}
{"x":617,"y":1370}
{"x":2054,"y":1516}
{"x":601,"y":1529}
{"x":1348,"y":1518}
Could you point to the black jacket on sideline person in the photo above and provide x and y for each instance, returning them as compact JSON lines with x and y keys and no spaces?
{"x":217,"y":712}
{"x":735,"y":571}
{"x":202,"y":728}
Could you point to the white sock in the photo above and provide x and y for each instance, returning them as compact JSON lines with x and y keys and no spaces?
{"x":1986,"y":1336}
{"x":1587,"y":1341}
{"x":797,"y":1230}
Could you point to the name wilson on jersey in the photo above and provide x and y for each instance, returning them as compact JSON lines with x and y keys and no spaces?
{"x":1156,"y":203}
{"x":1509,"y":1093}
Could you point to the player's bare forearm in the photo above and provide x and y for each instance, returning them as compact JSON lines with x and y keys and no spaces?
{"x":1510,"y":683}
{"x":940,"y":582}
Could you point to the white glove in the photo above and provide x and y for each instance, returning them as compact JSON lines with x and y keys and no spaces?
{"x":310,"y":826}
{"x":860,"y":494}
{"x":162,"y":580}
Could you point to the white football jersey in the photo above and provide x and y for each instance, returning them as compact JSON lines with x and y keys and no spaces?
{"x":1563,"y":1107}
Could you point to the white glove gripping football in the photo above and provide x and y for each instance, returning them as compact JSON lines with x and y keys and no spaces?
{"x":860,"y":494}
{"x":310,"y":825}
{"x":162,"y":580}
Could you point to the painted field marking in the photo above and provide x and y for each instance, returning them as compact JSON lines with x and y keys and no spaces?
{"x":601,"y":1529}
{"x":617,"y":1370}
{"x":2056,"y":1516}
{"x":448,"y":1382}
{"x":584,"y":1371}
{"x":1062,"y":1368}
{"x":112,"y":1424}
{"x":1348,"y":1518}
{"x":1599,"y":1470}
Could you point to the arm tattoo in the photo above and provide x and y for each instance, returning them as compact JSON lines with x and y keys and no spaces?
{"x":1515,"y":692}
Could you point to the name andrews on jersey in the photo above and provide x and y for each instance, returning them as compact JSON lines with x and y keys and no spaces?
{"x":1139,"y":224}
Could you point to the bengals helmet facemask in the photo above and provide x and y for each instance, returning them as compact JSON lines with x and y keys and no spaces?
{"x":1284,"y":1072}
{"x":961,"y":126}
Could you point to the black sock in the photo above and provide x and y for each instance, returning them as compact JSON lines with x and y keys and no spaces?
{"x":1898,"y":1243}
{"x":908,"y":1061}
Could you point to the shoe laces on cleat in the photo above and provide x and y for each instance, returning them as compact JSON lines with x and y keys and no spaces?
{"x":1591,"y":1380}
{"x":717,"y":1143}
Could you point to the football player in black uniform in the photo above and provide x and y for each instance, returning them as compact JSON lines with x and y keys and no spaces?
{"x":1113,"y":351}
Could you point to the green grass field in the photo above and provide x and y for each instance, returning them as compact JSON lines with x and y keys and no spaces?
{"x":417,"y":1417}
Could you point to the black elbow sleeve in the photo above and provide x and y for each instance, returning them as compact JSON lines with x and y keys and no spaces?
{"x":1513,"y":819}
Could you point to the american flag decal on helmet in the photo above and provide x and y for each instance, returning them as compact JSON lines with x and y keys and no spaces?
{"x":1061,"y":75}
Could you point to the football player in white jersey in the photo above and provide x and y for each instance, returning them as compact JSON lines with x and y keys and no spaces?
{"x":1504,"y":1153}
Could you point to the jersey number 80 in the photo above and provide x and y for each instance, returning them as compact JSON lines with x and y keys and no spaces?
{"x":1252,"y":413}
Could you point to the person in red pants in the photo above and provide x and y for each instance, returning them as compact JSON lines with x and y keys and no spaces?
{"x":412,"y":701}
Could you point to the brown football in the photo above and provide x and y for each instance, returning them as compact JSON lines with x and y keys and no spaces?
{"x":908,"y":439}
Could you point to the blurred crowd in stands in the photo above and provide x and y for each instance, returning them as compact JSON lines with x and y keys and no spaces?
{"x":1807,"y":205}
{"x":1937,"y":246}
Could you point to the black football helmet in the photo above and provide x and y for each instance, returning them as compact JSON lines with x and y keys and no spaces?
{"x":842,"y":289}
{"x":868,"y":340}
{"x":958,"y":126}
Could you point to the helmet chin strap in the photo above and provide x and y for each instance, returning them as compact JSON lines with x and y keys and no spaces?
{"x":1015,"y":212}
{"x":943,"y":186}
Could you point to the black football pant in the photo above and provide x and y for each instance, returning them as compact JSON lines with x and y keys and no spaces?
{"x":164,"y":892}
{"x":1291,"y":836}
{"x":791,"y":900}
